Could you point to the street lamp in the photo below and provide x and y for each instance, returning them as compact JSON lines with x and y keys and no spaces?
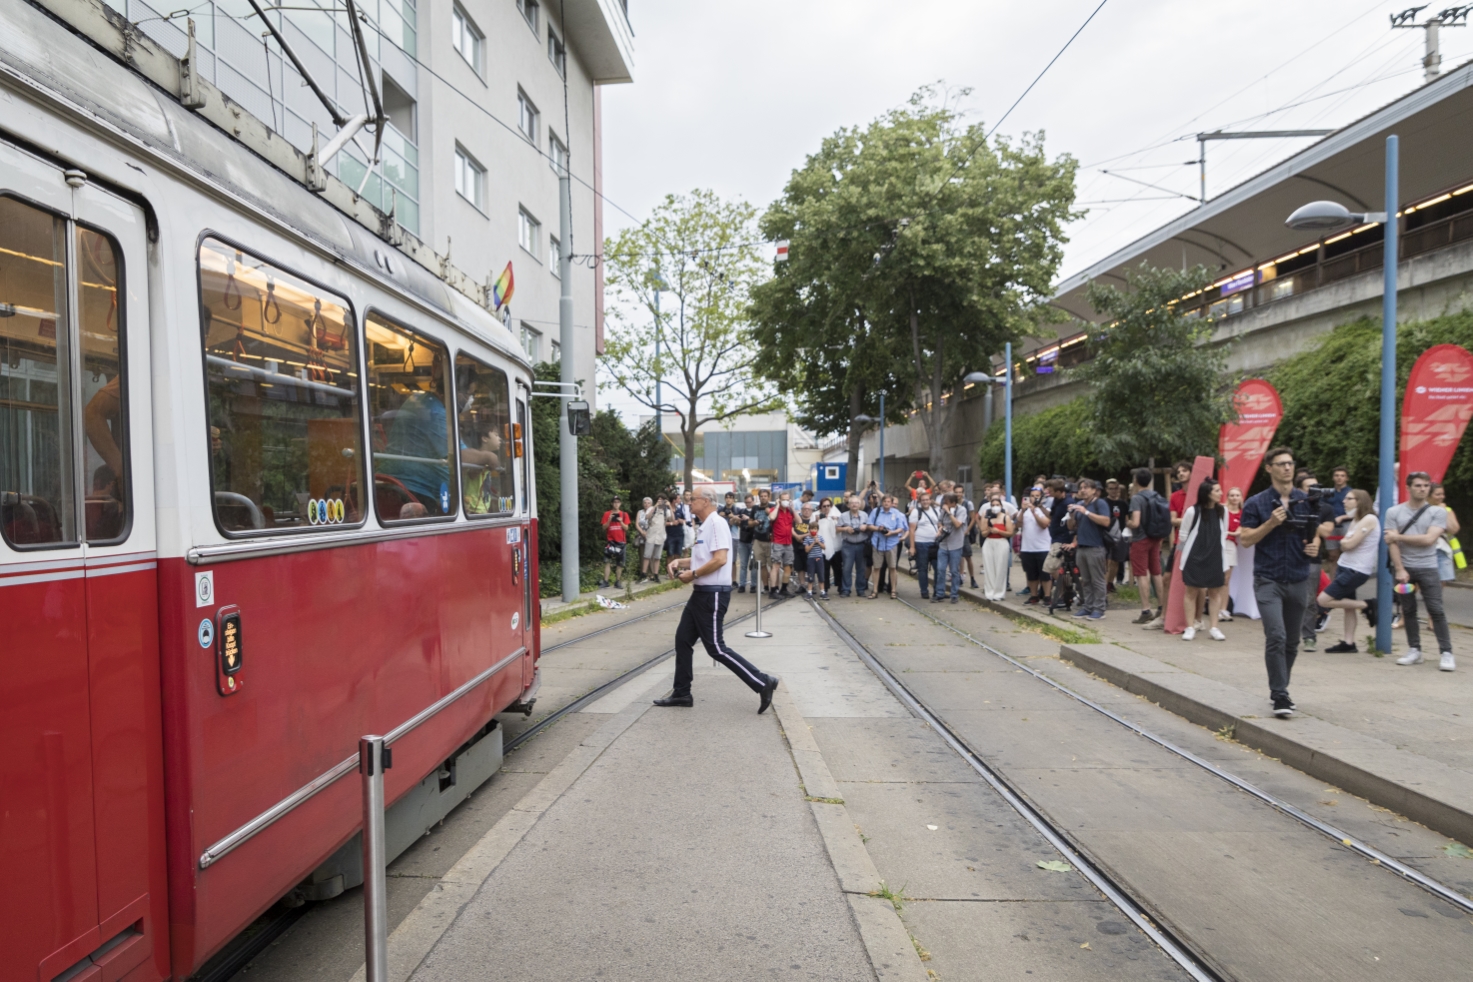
{"x":1006,"y":381}
{"x":861,"y":418}
{"x":1327,"y":215}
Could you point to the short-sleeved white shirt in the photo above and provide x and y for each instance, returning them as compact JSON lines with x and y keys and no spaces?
{"x":713,"y":536}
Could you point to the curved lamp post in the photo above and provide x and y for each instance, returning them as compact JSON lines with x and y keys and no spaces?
{"x":1006,"y":381}
{"x":1330,"y":215}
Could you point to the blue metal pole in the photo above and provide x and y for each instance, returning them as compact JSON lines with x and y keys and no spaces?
{"x":882,"y":444}
{"x":1007,"y":450}
{"x":1388,"y":393}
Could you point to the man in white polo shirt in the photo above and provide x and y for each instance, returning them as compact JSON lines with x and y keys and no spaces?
{"x":709,"y":570}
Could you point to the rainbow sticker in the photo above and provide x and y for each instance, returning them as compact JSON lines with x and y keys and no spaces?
{"x":312,"y":511}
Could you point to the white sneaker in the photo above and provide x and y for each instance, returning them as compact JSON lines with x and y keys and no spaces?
{"x":1412,"y":657}
{"x":1158,"y":624}
{"x":1217,"y":635}
{"x":1189,"y":633}
{"x":1447,"y":664}
{"x":1223,"y":615}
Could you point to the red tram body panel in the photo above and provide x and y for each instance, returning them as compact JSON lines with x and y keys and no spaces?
{"x":202,"y":364}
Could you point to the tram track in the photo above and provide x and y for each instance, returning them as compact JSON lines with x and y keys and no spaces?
{"x":1173,"y":940}
{"x":612,"y":627}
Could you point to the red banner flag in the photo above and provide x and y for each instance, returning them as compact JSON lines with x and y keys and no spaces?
{"x":1436,"y":409}
{"x":1242,"y":444}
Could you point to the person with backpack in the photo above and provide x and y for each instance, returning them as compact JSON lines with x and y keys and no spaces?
{"x":925,"y":530}
{"x":1150,"y":524}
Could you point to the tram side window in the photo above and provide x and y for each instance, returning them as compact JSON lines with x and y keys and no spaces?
{"x":283,"y":396}
{"x":41,"y":422}
{"x":408,"y":390}
{"x":487,"y":443}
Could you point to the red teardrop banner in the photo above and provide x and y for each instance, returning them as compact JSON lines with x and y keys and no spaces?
{"x":1435,"y":409}
{"x":1242,"y":444}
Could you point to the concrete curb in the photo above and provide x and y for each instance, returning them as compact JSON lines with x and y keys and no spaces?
{"x":886,"y":939}
{"x":1424,"y":790}
{"x":419,"y":932}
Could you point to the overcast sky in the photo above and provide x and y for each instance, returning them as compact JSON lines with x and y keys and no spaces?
{"x":733,"y":96}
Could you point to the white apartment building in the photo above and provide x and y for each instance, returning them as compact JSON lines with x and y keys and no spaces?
{"x":485,"y":98}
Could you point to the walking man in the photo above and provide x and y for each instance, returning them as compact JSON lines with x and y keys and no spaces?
{"x":1274,"y":520}
{"x":1089,"y":517}
{"x":709,"y":571}
{"x":1412,"y":530}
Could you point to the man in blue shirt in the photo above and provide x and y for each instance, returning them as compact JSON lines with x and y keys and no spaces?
{"x":1281,"y":563}
{"x":888,"y":526}
{"x":1089,"y":518}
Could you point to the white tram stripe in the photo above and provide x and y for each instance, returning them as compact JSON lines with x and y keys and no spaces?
{"x":65,"y":574}
{"x":93,"y":573}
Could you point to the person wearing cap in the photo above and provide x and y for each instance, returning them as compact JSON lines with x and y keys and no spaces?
{"x":708,"y":570}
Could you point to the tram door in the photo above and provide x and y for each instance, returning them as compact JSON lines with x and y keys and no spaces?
{"x":81,"y":775}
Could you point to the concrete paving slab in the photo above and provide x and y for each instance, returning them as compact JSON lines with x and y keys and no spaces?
{"x":979,"y":848}
{"x":889,"y":750}
{"x":1138,"y":799}
{"x":1052,"y":738}
{"x":683,"y":850}
{"x":641,"y":687}
{"x":1031,"y":942}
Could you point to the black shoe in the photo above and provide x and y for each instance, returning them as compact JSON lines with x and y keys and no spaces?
{"x":1322,"y":622}
{"x":953,"y":599}
{"x":1283,"y":708}
{"x":676,"y":699}
{"x":603,"y":584}
{"x":741,"y":589}
{"x":1342,"y":648}
{"x":1370,"y":612}
{"x":975,"y":586}
{"x":766,"y":694}
{"x":925,"y":596}
{"x":938,"y":599}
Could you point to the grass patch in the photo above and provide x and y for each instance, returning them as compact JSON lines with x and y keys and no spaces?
{"x":824,"y":801}
{"x":592,"y":607}
{"x":897,"y":900}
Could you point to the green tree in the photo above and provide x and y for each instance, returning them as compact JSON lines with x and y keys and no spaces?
{"x":639,"y":459}
{"x":597,"y":481}
{"x":1052,"y":441}
{"x":919,"y":246}
{"x":700,"y":253}
{"x":1157,"y":388}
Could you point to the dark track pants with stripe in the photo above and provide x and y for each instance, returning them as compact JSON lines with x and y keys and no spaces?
{"x":704,"y":613}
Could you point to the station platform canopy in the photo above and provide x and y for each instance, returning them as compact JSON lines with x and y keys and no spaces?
{"x":1243,"y":228}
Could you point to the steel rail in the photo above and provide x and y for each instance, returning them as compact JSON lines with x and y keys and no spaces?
{"x":338,"y":771}
{"x":612,"y":627}
{"x":1175,"y":949}
{"x":1435,"y":887}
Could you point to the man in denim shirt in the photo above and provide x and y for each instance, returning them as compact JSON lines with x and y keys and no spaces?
{"x":888,"y":525}
{"x":1281,"y":563}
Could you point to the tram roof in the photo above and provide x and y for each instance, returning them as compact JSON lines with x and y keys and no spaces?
{"x":1245,"y":225}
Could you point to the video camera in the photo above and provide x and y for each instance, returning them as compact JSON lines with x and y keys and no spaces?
{"x":1304,"y":516}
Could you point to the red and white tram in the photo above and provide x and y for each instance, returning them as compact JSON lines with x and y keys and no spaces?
{"x":265,"y":487}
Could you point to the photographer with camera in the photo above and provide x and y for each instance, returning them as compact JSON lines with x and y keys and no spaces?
{"x":1316,"y":619}
{"x":1034,"y":523}
{"x":925,"y":529}
{"x":1283,"y":524}
{"x":1412,"y":530}
{"x":1089,"y":517}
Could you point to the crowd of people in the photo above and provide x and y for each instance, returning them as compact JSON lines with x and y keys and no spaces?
{"x":1302,"y":550}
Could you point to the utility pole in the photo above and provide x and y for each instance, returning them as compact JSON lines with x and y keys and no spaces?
{"x":567,"y":442}
{"x":1451,"y":17}
{"x":1202,"y":139}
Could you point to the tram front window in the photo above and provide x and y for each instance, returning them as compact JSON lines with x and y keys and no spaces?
{"x":408,"y":391}
{"x":283,"y":396}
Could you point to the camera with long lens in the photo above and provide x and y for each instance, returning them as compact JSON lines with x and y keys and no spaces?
{"x":1304,"y":516}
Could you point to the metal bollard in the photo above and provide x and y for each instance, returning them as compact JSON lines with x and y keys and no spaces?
{"x":761,"y":586}
{"x":373,"y":760}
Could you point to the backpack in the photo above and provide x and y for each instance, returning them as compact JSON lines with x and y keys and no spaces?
{"x":1155,"y":515}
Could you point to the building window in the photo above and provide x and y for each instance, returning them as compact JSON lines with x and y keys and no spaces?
{"x":531,"y":342}
{"x":470,"y":178}
{"x":554,"y":255}
{"x":557,"y":352}
{"x":527,"y":116}
{"x":557,"y":154}
{"x":466,"y":37}
{"x":530,"y":9}
{"x":556,"y":52}
{"x":529,"y":230}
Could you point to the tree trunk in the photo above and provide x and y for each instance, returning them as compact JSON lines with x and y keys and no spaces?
{"x":856,"y":403}
{"x":688,"y":434}
{"x":927,"y":387}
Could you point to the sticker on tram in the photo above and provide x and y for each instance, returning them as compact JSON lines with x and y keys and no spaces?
{"x":322,"y":511}
{"x":206,"y":633}
{"x":513,"y":535}
{"x":204,"y":588}
{"x":312,"y":511}
{"x":444,"y":498}
{"x":516,"y":619}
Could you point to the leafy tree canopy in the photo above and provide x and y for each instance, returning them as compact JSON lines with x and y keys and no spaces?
{"x":1156,"y":387}
{"x":918,"y":248}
